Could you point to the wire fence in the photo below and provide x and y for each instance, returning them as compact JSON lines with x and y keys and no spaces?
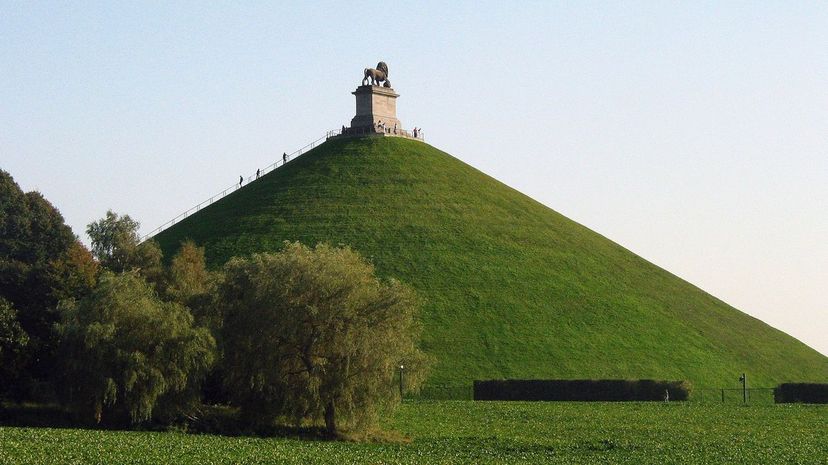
{"x":761,"y":395}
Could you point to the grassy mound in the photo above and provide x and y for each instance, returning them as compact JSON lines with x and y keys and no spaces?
{"x":511,"y":288}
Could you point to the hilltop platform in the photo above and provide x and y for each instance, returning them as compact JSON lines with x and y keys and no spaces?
{"x":374,"y":132}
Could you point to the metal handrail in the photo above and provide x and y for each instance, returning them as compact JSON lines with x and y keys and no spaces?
{"x":273,"y":166}
{"x":236,"y":186}
{"x":372,"y":130}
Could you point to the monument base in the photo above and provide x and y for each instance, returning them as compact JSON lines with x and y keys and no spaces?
{"x":375,"y":105}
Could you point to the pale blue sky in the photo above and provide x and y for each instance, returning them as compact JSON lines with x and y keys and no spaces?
{"x":693,"y":133}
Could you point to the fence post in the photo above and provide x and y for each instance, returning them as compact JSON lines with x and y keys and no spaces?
{"x":743,"y":379}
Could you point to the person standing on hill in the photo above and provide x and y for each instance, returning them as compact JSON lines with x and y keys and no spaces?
{"x":241,"y":178}
{"x":257,"y":173}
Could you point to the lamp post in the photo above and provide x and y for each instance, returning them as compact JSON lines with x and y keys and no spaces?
{"x":402,"y":368}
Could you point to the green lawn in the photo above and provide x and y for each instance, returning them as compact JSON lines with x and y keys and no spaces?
{"x":510,"y":288}
{"x":463,"y":432}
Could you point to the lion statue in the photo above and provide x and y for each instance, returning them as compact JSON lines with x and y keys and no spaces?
{"x":376,"y":76}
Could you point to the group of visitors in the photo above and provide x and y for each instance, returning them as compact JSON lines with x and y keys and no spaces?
{"x":259,"y":171}
{"x":381,"y":127}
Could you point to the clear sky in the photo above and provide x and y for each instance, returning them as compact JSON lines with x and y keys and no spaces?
{"x":693,"y":133}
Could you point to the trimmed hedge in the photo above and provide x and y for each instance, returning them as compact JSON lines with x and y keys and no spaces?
{"x":609,"y":390}
{"x":809,"y":393}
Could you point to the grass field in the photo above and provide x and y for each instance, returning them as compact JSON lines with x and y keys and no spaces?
{"x":511,"y":288}
{"x":463,"y":432}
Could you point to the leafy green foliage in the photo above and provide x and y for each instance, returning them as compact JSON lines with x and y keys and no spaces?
{"x":41,"y":262}
{"x":114,"y":239}
{"x":477,"y":433}
{"x":190,"y":283}
{"x":31,"y":229}
{"x":510,"y":288}
{"x":312,"y":333}
{"x":32,"y":233}
{"x":13,"y":340}
{"x":12,"y":337}
{"x":76,"y":271}
{"x":117,"y":246}
{"x":124,"y":350}
{"x":187,"y":275}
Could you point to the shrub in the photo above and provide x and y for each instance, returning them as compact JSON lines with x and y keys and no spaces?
{"x":580,"y":390}
{"x":809,"y":393}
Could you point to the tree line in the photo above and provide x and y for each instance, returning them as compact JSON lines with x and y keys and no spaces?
{"x":118,"y":335}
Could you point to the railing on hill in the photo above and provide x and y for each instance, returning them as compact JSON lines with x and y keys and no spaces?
{"x":236,"y":186}
{"x":373,"y":130}
{"x":279,"y":163}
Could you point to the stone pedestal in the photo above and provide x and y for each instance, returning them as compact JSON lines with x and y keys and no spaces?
{"x":375,"y":104}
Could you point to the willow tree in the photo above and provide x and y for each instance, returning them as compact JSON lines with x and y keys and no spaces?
{"x":311,"y":334}
{"x":124,"y":351}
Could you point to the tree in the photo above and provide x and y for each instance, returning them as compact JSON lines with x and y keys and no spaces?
{"x":124,"y":351}
{"x":114,"y":240}
{"x":31,"y":229}
{"x":32,"y":233}
{"x":118,"y":247}
{"x":13,"y":340}
{"x":76,"y":271}
{"x":188,"y":281}
{"x":38,"y":258}
{"x":313,"y":334}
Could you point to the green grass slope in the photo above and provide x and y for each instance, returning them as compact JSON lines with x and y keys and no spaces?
{"x":511,"y":288}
